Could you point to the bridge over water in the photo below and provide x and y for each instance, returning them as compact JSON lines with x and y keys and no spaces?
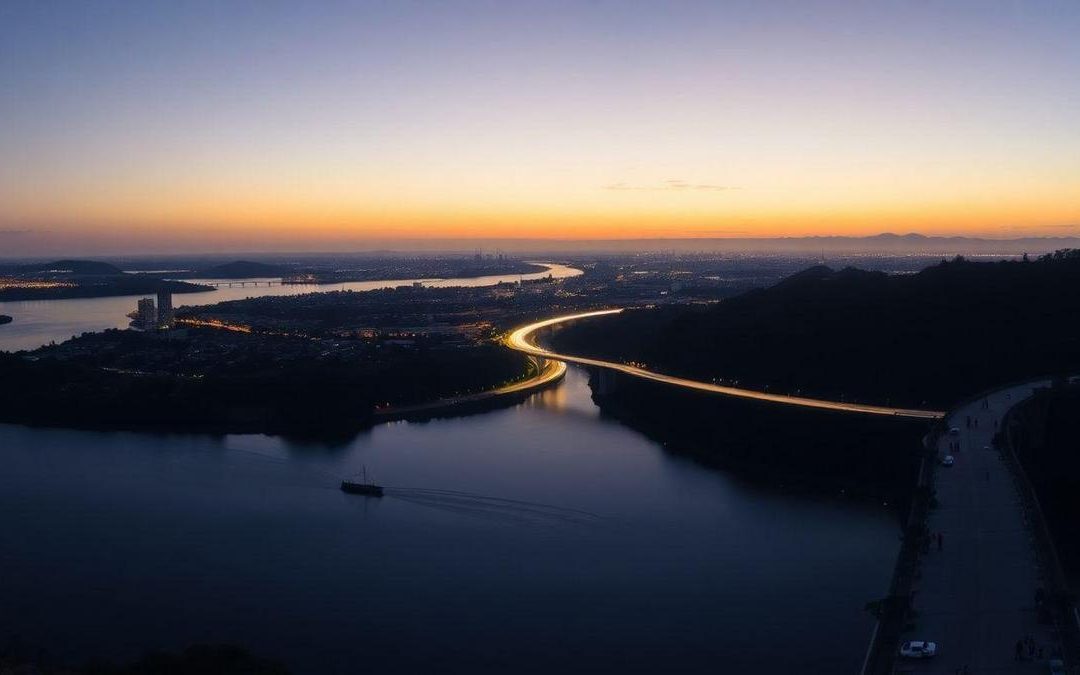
{"x":241,"y":283}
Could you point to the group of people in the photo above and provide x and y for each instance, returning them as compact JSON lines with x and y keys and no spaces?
{"x":1027,"y":650}
{"x":930,"y":539}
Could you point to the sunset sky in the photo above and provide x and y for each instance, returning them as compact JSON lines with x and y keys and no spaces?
{"x":141,"y":126}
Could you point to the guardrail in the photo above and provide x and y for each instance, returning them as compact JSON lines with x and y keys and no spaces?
{"x":894,"y":609}
{"x":1063,"y":609}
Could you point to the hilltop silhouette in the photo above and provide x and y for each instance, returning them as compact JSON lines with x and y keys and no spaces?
{"x":924,"y":339}
{"x":90,"y":267}
{"x":245,"y":269}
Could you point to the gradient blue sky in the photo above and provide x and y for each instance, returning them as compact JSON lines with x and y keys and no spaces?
{"x":208,"y":125}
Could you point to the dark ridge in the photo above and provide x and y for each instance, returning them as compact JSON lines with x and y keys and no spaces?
{"x":242,"y":269}
{"x":74,"y":267}
{"x":1046,"y":434}
{"x":922,"y":340}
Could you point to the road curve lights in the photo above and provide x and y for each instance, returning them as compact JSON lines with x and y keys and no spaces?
{"x":519,"y":340}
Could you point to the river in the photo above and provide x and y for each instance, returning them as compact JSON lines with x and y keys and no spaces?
{"x":38,"y":322}
{"x":536,"y":538}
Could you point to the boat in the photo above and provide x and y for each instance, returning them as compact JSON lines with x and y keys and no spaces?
{"x":362,"y":486}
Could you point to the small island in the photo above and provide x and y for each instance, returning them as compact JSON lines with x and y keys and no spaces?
{"x":4,"y":318}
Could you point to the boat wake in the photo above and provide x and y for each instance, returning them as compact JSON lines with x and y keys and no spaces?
{"x":494,"y":508}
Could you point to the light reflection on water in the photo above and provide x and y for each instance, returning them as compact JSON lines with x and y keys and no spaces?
{"x":539,"y":538}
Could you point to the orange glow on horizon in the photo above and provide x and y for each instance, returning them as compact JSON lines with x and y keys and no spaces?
{"x":323,"y":211}
{"x":158,"y":128}
{"x":294,"y":223}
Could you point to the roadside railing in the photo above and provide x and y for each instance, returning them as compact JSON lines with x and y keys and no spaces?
{"x":894,"y":611}
{"x":1062,"y":604}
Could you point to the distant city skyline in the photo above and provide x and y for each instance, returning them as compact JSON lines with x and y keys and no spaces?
{"x":201,"y":127}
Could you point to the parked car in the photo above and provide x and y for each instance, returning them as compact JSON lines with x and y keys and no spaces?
{"x":955,"y":431}
{"x":918,"y":649}
{"x":948,"y":460}
{"x":1057,"y":667}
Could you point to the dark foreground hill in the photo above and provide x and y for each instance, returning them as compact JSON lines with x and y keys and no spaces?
{"x":925,"y":339}
{"x":1045,"y":432}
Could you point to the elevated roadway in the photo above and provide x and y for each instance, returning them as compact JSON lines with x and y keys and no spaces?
{"x":521,"y":339}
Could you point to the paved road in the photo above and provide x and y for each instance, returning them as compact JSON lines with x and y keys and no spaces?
{"x":976,"y":596}
{"x":520,"y":340}
{"x":551,"y":371}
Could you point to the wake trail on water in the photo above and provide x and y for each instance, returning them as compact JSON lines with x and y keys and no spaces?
{"x":493,"y":507}
{"x":455,"y":501}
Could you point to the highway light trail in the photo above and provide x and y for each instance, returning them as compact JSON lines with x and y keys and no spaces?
{"x":519,"y":340}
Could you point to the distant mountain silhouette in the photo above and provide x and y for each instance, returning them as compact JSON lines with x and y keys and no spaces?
{"x":74,"y":267}
{"x":884,"y":243}
{"x":924,"y":339}
{"x":242,"y":269}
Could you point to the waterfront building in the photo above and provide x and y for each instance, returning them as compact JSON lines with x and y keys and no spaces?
{"x":145,"y":315}
{"x":166,"y":318}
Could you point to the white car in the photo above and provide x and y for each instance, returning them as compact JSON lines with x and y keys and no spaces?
{"x":948,"y":460}
{"x":918,"y":649}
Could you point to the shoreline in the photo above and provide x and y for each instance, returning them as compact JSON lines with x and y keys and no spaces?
{"x":96,"y":292}
{"x":550,"y":372}
{"x":916,"y":570}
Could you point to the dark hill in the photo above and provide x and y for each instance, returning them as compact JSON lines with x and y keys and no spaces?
{"x":926,"y":339}
{"x":243,"y":269}
{"x":75,"y":267}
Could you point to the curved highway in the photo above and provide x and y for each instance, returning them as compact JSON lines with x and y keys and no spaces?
{"x":548,"y":371}
{"x":519,"y":340}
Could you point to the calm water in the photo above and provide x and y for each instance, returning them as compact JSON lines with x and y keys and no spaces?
{"x":539,"y":538}
{"x":39,"y":322}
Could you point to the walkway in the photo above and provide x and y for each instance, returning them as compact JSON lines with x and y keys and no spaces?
{"x":976,"y":595}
